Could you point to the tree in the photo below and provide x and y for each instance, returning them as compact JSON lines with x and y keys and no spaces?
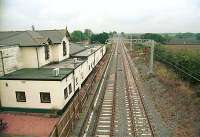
{"x":153,"y":36}
{"x":114,"y":32}
{"x":167,"y":37}
{"x":101,"y":38}
{"x":88,"y":33}
{"x":78,"y":36}
{"x":198,"y":36}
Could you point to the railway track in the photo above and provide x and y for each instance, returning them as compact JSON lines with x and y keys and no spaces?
{"x":121,"y":112}
{"x":142,"y":126}
{"x":106,"y":119}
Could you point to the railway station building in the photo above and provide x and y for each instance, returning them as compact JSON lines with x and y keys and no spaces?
{"x":41,"y":70}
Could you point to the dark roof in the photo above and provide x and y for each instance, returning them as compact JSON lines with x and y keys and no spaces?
{"x":7,"y":34}
{"x":32,"y":38}
{"x":43,"y":74}
{"x":185,"y":40}
{"x":56,"y":36}
{"x":67,"y":63}
{"x":75,"y":48}
{"x":22,"y":38}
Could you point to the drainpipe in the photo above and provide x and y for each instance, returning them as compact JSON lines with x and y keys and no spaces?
{"x":1,"y":52}
{"x":74,"y":80}
{"x":38,"y":63}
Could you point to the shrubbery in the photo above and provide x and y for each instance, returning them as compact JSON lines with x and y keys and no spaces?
{"x":185,"y":63}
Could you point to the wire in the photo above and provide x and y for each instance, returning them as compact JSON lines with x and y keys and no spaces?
{"x":183,"y":71}
{"x":186,"y":69}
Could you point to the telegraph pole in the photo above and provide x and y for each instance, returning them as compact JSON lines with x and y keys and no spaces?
{"x":151,"y":57}
{"x":131,"y":45}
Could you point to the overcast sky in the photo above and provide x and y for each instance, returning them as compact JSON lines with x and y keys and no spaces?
{"x":102,"y":15}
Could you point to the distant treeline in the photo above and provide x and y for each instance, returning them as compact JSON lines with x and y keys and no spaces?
{"x":167,"y":37}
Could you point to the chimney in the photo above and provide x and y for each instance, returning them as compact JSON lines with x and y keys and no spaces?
{"x":75,"y":61}
{"x":33,"y":28}
{"x":66,"y":28}
{"x":56,"y":72}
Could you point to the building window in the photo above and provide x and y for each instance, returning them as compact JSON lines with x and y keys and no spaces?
{"x":70,"y":88}
{"x":45,"y":97}
{"x":46,"y":49}
{"x":20,"y":96}
{"x":76,"y":81}
{"x":65,"y":93}
{"x":64,"y":48}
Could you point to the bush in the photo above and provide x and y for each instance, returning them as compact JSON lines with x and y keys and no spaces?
{"x":101,"y":38}
{"x":185,"y":63}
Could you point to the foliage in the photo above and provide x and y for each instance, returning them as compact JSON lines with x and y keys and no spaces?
{"x":78,"y":36}
{"x":184,"y":35}
{"x":167,"y":37}
{"x":157,"y":37}
{"x":185,"y":61}
{"x":99,"y":38}
{"x":198,"y":36}
{"x":122,"y":33}
{"x":88,"y":33}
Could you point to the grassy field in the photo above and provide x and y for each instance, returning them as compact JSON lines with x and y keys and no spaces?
{"x":184,"y":48}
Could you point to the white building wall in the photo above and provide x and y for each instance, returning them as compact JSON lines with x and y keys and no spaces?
{"x":91,"y":62}
{"x":65,"y":84}
{"x":104,"y":50}
{"x":29,"y":57}
{"x":41,"y":56}
{"x":97,"y":56}
{"x":32,"y":90}
{"x":55,"y":53}
{"x":58,"y":51}
{"x":85,"y":71}
{"x":77,"y":77}
{"x":11,"y":59}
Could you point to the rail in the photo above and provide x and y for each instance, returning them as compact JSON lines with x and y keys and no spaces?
{"x":138,"y":88}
